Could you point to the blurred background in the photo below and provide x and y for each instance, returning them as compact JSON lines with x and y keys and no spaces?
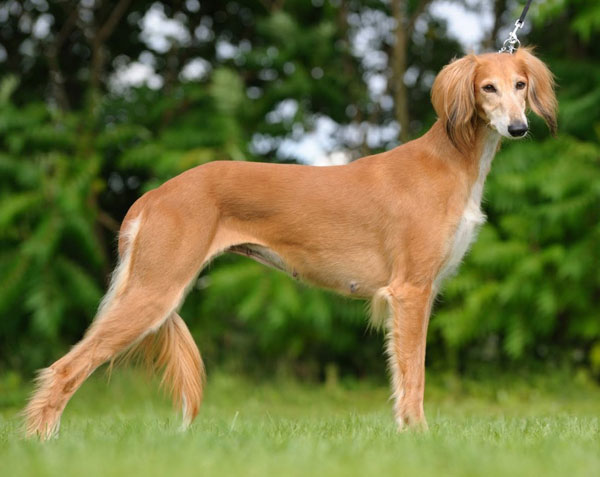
{"x":103,"y":100}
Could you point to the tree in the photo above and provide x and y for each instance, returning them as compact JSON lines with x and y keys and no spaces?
{"x":405,"y":26}
{"x":234,"y":81}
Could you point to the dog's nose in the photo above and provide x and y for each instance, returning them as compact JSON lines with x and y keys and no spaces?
{"x":517,"y":129}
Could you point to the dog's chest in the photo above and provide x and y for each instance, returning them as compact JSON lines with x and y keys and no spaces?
{"x":472,"y":217}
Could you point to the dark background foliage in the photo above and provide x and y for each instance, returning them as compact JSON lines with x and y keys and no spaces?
{"x":239,"y":80}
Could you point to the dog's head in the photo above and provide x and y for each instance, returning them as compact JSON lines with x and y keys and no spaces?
{"x":496,"y":88}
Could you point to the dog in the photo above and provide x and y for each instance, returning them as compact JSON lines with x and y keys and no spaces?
{"x":389,"y":228}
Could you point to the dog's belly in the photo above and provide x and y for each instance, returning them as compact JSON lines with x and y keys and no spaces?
{"x":359,"y":277}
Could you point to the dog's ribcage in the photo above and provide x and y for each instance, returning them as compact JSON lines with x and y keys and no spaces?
{"x":472,"y":217}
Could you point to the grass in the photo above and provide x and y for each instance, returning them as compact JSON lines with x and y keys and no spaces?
{"x":507,"y":426}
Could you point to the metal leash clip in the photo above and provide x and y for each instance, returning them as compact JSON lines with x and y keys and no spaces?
{"x":512,"y":42}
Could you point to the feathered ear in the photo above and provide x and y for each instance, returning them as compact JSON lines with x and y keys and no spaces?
{"x":453,"y":98}
{"x":540,"y":92}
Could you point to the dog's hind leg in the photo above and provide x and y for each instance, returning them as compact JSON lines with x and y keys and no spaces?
{"x":163,"y":255}
{"x":135,"y":315}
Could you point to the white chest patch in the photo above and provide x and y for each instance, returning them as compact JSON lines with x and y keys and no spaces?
{"x":472,"y":217}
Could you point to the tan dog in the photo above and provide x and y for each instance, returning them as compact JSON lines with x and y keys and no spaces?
{"x":388,"y":227}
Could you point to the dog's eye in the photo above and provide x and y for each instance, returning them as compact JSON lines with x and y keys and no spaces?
{"x":489,"y":88}
{"x":520,"y":84}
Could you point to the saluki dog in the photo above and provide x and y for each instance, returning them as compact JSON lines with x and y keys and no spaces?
{"x":388,"y":227}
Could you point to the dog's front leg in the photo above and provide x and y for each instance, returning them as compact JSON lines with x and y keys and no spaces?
{"x":410,"y":307}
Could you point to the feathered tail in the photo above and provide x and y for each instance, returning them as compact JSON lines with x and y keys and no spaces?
{"x":173,"y":350}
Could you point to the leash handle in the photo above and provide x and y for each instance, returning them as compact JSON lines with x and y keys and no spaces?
{"x":512,"y":42}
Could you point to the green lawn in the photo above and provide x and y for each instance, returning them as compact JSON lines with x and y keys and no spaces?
{"x":534,"y":427}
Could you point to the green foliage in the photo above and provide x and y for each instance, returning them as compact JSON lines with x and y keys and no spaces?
{"x":530,"y":285}
{"x":71,"y":167}
{"x":584,"y":19}
{"x":531,"y":277}
{"x":51,"y":256}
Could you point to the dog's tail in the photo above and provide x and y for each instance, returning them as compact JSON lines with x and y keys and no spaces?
{"x":173,"y":350}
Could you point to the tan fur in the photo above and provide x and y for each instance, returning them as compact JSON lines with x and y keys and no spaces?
{"x":172,"y":350}
{"x":453,"y":98}
{"x":387,"y":227}
{"x":540,"y":93}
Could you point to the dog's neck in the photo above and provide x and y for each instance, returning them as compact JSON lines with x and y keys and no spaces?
{"x":438,"y":137}
{"x":487,"y":144}
{"x":476,"y":158}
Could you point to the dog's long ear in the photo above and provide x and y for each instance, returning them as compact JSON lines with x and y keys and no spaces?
{"x":540,"y":92}
{"x":453,"y":98}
